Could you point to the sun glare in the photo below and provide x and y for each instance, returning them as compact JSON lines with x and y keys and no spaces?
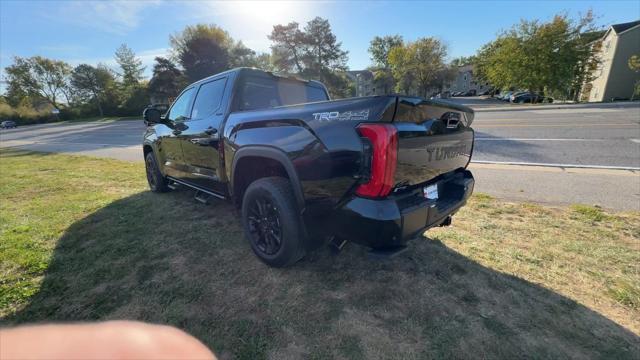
{"x":267,"y":12}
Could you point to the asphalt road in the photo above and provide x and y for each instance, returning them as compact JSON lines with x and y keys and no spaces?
{"x":597,"y":136}
{"x":588,"y":136}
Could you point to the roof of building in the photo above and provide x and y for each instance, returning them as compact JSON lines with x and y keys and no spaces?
{"x":618,"y":28}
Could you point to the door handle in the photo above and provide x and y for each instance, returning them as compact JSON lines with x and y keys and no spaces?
{"x":202,"y":141}
{"x":211,"y":131}
{"x":176,"y":132}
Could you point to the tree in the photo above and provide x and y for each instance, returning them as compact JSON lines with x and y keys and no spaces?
{"x":131,"y":66}
{"x":265,"y":62}
{"x":38,"y":77}
{"x":323,"y":51}
{"x":555,"y":56}
{"x":167,"y":80}
{"x":399,"y":62}
{"x":634,"y":65}
{"x":418,"y":65}
{"x":202,"y":50}
{"x":92,"y":83}
{"x":383,"y":80}
{"x":288,"y":47}
{"x":445,"y":75}
{"x":463,"y":60}
{"x":380,"y":47}
{"x":312,"y":53}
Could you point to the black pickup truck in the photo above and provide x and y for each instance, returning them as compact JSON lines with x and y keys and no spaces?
{"x":375,"y":170}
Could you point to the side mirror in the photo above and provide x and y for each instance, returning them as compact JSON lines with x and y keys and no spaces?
{"x":151,"y":116}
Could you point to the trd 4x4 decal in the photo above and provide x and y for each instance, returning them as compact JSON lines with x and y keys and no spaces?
{"x":344,"y":116}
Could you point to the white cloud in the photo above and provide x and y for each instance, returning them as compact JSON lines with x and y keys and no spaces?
{"x":117,"y":17}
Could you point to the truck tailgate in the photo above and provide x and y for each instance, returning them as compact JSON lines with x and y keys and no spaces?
{"x":434,"y":137}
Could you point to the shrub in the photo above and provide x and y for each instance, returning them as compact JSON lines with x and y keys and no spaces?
{"x":24,"y":115}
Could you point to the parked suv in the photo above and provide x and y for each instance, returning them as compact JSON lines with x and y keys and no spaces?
{"x":302,"y":169}
{"x":7,"y":124}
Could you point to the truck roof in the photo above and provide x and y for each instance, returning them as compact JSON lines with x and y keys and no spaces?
{"x":256,"y":71}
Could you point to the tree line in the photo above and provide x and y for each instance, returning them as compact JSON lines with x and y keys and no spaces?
{"x":553,"y":57}
{"x":38,"y":85}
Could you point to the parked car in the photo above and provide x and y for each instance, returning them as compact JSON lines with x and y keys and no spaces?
{"x":441,"y":95}
{"x":301,"y":168}
{"x":506,"y":96}
{"x":471,"y":92}
{"x":529,"y":97}
{"x":8,"y":124}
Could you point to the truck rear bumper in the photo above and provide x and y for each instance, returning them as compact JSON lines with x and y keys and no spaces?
{"x":393,"y":221}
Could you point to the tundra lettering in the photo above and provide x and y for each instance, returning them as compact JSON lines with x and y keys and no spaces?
{"x":444,"y":153}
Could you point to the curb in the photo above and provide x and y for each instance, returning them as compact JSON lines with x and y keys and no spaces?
{"x":555,"y":107}
{"x":564,"y":166}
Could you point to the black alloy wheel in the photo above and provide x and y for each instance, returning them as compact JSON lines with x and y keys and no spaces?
{"x":264,"y":225}
{"x":157,"y":182}
{"x":272,"y":222}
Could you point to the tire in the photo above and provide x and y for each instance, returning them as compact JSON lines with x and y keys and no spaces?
{"x":157,"y":182}
{"x":271,"y":222}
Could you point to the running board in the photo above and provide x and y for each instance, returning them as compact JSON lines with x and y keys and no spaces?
{"x":173,"y":185}
{"x":196,"y":188}
{"x":202,"y":197}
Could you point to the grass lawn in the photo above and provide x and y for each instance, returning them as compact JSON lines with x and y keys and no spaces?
{"x":83,"y":239}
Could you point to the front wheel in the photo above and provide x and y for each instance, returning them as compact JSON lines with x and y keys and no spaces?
{"x":271,"y":222}
{"x":157,"y":182}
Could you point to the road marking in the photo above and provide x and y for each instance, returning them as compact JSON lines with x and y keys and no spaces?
{"x":547,"y":169}
{"x":578,"y":166}
{"x":526,"y":139}
{"x":477,"y":125}
{"x":637,"y":141}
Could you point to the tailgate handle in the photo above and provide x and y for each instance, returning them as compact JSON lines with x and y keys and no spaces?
{"x":451,"y":119}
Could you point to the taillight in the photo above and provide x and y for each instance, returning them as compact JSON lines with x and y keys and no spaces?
{"x":384,"y":156}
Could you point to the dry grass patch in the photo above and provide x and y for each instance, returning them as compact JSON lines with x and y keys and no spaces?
{"x":582,"y":252}
{"x":81,"y":239}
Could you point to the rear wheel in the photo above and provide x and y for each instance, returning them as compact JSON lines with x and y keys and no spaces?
{"x":271,"y":222}
{"x":157,"y":182}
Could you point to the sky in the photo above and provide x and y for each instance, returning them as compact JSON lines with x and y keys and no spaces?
{"x":90,"y":31}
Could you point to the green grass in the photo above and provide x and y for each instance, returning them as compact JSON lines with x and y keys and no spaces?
{"x":82,"y":239}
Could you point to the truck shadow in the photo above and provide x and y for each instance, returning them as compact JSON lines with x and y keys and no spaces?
{"x":165,"y":259}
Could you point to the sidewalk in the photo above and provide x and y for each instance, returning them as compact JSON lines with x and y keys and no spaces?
{"x":610,"y":189}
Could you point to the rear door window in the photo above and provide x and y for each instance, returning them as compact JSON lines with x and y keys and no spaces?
{"x":262,"y":93}
{"x":208,"y":99}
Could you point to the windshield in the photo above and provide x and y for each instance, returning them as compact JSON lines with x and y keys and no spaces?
{"x":261,"y":93}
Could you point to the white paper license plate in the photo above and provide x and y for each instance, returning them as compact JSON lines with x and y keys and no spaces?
{"x":430,"y":192}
